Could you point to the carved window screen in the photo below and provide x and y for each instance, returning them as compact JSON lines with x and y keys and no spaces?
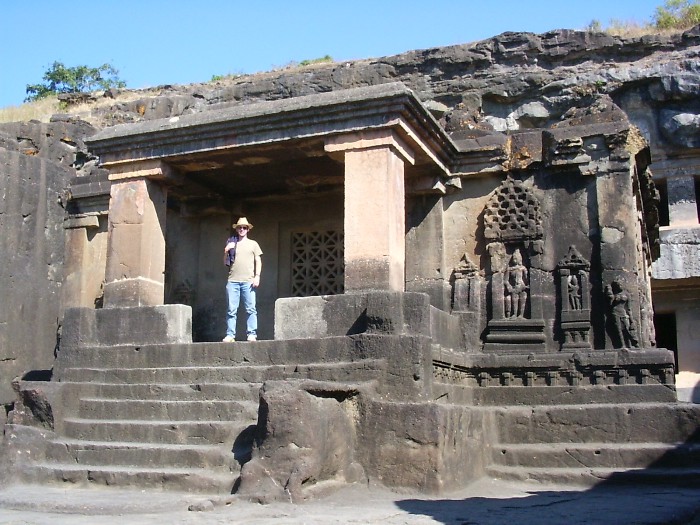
{"x":317,"y":263}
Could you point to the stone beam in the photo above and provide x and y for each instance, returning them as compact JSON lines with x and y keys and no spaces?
{"x":374,"y":208}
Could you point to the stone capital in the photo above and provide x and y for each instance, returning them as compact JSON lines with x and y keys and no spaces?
{"x":144,"y":169}
{"x":370,"y":139}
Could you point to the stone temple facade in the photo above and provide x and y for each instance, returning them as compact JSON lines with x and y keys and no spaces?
{"x":436,"y":305}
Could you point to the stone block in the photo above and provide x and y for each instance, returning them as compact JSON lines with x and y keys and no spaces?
{"x":306,"y":436}
{"x":133,"y":292}
{"x":414,"y":445}
{"x":164,"y":324}
{"x":320,"y":316}
{"x":348,"y":314}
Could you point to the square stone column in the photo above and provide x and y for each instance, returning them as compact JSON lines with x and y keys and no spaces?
{"x":136,"y":246}
{"x":682,"y":209}
{"x":84,"y":263}
{"x":375,"y":209}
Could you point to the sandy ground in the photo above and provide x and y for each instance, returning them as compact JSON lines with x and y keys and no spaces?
{"x":485,"y":502}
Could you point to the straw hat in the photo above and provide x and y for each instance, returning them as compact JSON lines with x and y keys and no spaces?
{"x":242,"y":222}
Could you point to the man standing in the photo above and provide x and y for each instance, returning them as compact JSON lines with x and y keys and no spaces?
{"x":242,"y":256}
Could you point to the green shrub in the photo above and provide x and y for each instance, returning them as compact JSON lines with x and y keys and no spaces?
{"x":80,"y":79}
{"x":325,"y":58}
{"x":677,"y":14}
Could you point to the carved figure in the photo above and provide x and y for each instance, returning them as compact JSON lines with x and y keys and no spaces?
{"x":516,"y":287}
{"x":621,"y":316}
{"x":574,"y":290}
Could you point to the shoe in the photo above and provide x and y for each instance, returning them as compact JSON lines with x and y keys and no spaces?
{"x":229,"y":339}
{"x":252,"y":337}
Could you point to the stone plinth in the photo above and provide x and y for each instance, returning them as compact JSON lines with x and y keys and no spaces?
{"x":163,"y":324}
{"x":349,"y":314}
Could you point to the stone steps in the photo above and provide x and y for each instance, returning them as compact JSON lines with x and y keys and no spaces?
{"x":178,"y":410}
{"x":189,"y":427}
{"x":215,"y":354}
{"x":191,"y":480}
{"x":596,"y":423}
{"x":167,"y":432}
{"x":588,"y":477}
{"x":366,"y":369}
{"x":644,"y":442}
{"x":596,"y":455}
{"x":169,"y":391}
{"x":151,"y":455}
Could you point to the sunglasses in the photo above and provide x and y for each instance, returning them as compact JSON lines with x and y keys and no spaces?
{"x":241,"y":227}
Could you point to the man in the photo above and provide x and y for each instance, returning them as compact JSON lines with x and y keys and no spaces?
{"x":242,"y":256}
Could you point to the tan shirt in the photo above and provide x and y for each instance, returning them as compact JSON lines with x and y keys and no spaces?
{"x":243,"y":268}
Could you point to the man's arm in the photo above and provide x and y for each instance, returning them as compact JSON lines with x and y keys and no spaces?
{"x":258,"y":269}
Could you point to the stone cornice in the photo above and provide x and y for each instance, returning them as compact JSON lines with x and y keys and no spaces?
{"x":375,"y":107}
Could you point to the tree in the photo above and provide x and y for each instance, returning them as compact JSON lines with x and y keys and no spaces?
{"x":677,"y":14}
{"x":80,"y":79}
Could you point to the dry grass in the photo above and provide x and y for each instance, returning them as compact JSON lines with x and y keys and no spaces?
{"x":40,"y":110}
{"x":43,"y":109}
{"x":632,"y":29}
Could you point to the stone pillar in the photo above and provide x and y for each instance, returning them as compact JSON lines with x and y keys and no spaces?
{"x":136,"y":246}
{"x":425,"y":251}
{"x":682,"y":209}
{"x":84,"y":262}
{"x":375,"y":209}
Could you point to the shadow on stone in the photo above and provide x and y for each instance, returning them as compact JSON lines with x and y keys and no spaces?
{"x":243,"y":445}
{"x":38,"y":375}
{"x":653,"y":494}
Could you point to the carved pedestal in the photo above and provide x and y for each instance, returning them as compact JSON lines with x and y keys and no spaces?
{"x":515,"y":336}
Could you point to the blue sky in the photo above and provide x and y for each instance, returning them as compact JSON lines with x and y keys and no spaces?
{"x":154,"y":42}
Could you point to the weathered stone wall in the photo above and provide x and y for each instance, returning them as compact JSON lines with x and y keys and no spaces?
{"x":37,"y":162}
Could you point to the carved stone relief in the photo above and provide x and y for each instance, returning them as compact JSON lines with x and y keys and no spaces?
{"x":516,"y":287}
{"x":513,"y":229}
{"x":574,"y":300}
{"x":466,"y":300}
{"x":620,"y":318}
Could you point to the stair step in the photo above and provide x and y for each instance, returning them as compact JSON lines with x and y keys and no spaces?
{"x":593,"y":476}
{"x":340,"y":348}
{"x":340,"y":371}
{"x":594,"y":455}
{"x":153,"y":409}
{"x":146,"y":455}
{"x":597,"y":423}
{"x":203,"y":481}
{"x":173,"y":432}
{"x":236,"y":391}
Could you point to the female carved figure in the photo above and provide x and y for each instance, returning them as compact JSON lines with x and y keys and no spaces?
{"x":621,"y":317}
{"x":574,"y":292}
{"x":516,"y":287}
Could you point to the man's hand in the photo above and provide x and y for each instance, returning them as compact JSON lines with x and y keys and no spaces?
{"x":256,"y":281}
{"x":229,"y":246}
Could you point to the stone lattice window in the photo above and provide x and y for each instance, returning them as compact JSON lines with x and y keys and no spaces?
{"x":317,"y":263}
{"x":512,"y":213}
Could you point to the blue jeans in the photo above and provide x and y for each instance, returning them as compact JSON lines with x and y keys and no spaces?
{"x":234,"y":292}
